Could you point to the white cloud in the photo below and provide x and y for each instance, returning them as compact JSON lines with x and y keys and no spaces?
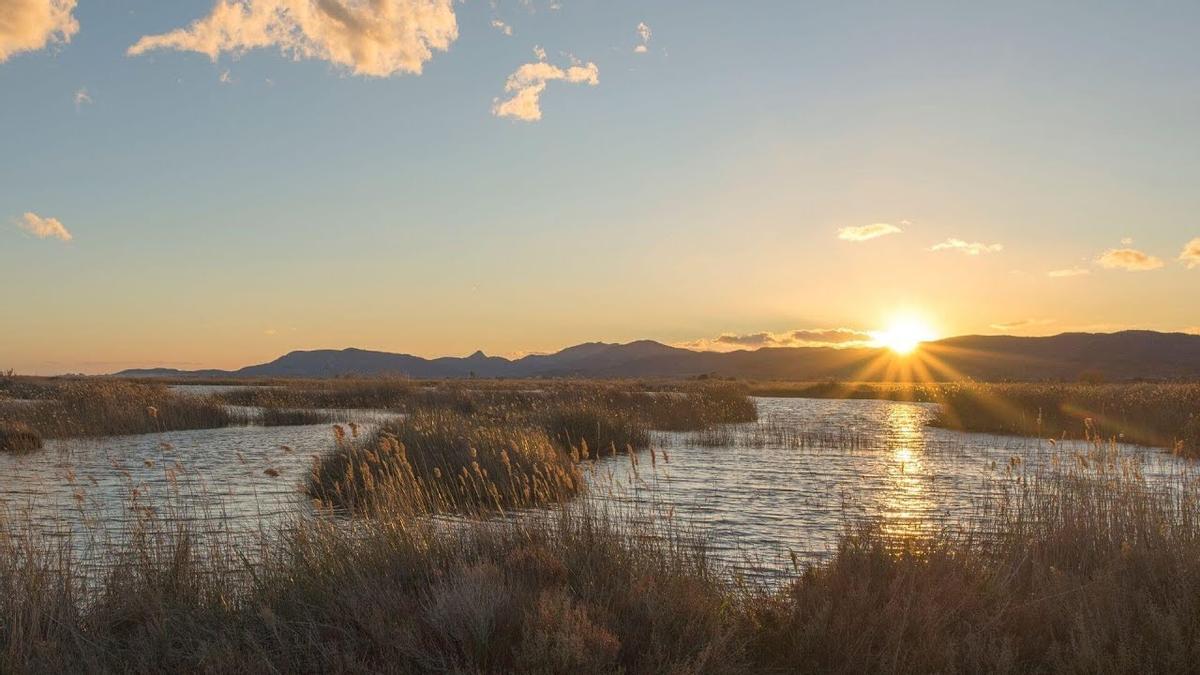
{"x":967,"y":248}
{"x":1191,"y":253}
{"x":225,"y":77}
{"x":502,"y":27}
{"x":30,"y":25}
{"x":1127,"y":241}
{"x":644,"y":34}
{"x":1068,"y":272}
{"x":377,"y":38}
{"x":866,"y":232}
{"x":1128,"y":259}
{"x":44,"y":228}
{"x":81,"y":97}
{"x":526,"y":85}
{"x":539,"y":52}
{"x":805,"y":337}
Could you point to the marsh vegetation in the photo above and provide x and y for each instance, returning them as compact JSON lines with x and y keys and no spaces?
{"x":474,"y":532}
{"x":1080,"y":565}
{"x":1164,"y":415}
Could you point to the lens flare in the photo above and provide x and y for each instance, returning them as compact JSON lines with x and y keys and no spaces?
{"x":904,"y":334}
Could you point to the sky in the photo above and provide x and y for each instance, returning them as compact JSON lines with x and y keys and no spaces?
{"x":198,"y":184}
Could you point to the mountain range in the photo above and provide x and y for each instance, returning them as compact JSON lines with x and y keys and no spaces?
{"x":1068,"y":356}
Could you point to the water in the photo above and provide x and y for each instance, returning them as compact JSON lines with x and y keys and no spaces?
{"x":767,"y":493}
{"x":763,"y":498}
{"x":236,"y":479}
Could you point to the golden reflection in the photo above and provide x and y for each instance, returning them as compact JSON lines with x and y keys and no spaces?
{"x":906,"y":500}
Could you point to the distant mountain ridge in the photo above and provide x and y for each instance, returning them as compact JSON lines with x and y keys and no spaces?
{"x":1068,"y":356}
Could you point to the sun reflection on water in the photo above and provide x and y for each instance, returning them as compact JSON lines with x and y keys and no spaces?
{"x":906,"y":500}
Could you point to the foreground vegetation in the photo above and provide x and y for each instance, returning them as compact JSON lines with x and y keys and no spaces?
{"x":1083,"y":566}
{"x":1157,"y":414}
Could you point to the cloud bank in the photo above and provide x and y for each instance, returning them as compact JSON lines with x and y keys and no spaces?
{"x":526,"y":85}
{"x":44,"y":228}
{"x":31,"y":25}
{"x":375,"y":38}
{"x":1128,"y":259}
{"x":867,"y":232}
{"x":1191,"y":254}
{"x":966,"y":248}
{"x":807,"y":337}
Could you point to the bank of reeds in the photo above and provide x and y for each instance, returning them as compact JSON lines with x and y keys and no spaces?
{"x":101,"y":407}
{"x":17,"y":437}
{"x":339,"y":393}
{"x":1081,"y":567}
{"x":1165,"y":415}
{"x":443,"y":461}
{"x":292,"y":417}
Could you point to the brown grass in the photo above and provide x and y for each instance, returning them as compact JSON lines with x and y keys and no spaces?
{"x":1165,"y":415}
{"x":1084,"y":566}
{"x":443,"y":461}
{"x":16,"y":437}
{"x":99,"y":407}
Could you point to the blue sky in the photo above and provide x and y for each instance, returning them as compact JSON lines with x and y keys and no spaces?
{"x":225,"y":212}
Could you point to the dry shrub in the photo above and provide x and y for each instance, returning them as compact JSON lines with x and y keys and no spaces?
{"x":559,"y":636}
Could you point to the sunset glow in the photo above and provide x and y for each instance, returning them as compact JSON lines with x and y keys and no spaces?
{"x":904,"y":334}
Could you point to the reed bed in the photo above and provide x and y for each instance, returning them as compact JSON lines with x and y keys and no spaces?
{"x":1165,"y":415}
{"x":669,"y":407}
{"x":443,"y":461}
{"x":1083,"y":566}
{"x":777,"y":433}
{"x":17,"y":437}
{"x":90,"y":408}
{"x":291,"y":417}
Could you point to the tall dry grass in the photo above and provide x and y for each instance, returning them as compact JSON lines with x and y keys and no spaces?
{"x":1084,"y":566}
{"x":18,"y":437}
{"x":443,"y":461}
{"x":1165,"y":415}
{"x":72,"y":408}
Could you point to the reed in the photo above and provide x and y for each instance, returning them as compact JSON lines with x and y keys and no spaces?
{"x":100,"y":407}
{"x":1165,"y":415}
{"x":1083,"y":565}
{"x":16,"y":437}
{"x":291,"y":417}
{"x":443,"y":461}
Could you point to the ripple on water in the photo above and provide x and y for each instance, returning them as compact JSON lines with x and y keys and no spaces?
{"x":756,"y":500}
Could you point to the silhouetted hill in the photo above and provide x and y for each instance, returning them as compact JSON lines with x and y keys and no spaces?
{"x":1069,"y":356}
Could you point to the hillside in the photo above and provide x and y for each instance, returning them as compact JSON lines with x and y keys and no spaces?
{"x":1068,"y":356}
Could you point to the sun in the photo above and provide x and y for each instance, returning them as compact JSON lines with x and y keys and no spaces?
{"x":904,"y":334}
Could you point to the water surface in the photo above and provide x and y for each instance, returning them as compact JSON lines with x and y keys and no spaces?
{"x":787,"y":484}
